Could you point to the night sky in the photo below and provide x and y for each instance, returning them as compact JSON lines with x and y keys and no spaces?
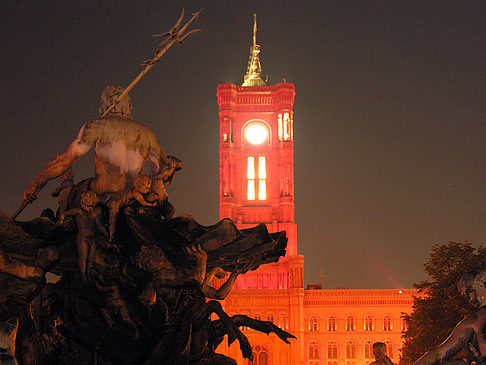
{"x":390,"y":113}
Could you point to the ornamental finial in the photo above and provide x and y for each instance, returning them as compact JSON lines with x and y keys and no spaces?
{"x":254,"y":76}
{"x":254,"y":29}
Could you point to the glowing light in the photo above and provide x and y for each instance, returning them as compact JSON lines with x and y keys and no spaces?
{"x":262,"y":174}
{"x":256,"y":134}
{"x":262,"y":190}
{"x":250,"y":171}
{"x":286,"y":126}
{"x":251,"y":190}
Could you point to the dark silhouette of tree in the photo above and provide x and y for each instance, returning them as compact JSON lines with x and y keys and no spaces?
{"x":439,"y":306}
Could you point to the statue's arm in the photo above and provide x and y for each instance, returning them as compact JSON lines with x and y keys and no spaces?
{"x":139,"y":198}
{"x":78,"y":148}
{"x":458,"y":339}
{"x":223,"y":291}
{"x":100,"y":226}
{"x":157,"y":156}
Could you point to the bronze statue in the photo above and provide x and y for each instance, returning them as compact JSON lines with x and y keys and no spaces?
{"x":122,"y":146}
{"x":379,"y":352}
{"x":468,"y":333}
{"x":87,"y":221}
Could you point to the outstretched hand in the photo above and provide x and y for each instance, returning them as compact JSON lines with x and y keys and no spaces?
{"x":283,"y":335}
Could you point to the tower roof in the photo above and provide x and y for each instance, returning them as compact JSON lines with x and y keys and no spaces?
{"x":254,"y":76}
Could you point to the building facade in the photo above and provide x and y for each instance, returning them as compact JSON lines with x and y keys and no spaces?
{"x":256,"y":161}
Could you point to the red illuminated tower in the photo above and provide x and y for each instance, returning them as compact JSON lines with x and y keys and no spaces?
{"x":256,"y":156}
{"x":256,"y":152}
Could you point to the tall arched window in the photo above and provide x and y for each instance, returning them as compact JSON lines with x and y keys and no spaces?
{"x":350,"y":323}
{"x":368,"y":350}
{"x":331,"y":323}
{"x":387,"y":323}
{"x":350,"y":350}
{"x":282,"y":321}
{"x":332,"y":350}
{"x":389,"y":349}
{"x":368,"y":323}
{"x":270,"y":317}
{"x":403,"y":324}
{"x":285,"y":126}
{"x":313,"y":324}
{"x":256,"y":174}
{"x":313,"y":353}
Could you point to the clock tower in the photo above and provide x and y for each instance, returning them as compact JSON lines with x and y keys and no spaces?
{"x":256,"y":152}
{"x":256,"y":164}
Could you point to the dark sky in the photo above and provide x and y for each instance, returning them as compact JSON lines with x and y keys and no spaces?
{"x":390,"y":113}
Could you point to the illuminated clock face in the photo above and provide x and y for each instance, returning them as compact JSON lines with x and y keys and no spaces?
{"x":256,"y":134}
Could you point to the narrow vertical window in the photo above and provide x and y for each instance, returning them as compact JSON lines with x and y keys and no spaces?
{"x":262,"y":181}
{"x":331,"y":323}
{"x":282,"y":321}
{"x":251,"y":168}
{"x":313,"y":323}
{"x":262,"y":174}
{"x":332,"y":350}
{"x":313,"y":352}
{"x":387,"y":323}
{"x":368,"y":350}
{"x":403,"y":324}
{"x":389,"y":349}
{"x":291,"y":126}
{"x":350,"y":350}
{"x":262,"y":190}
{"x":251,"y":189}
{"x":350,"y":323}
{"x":368,"y":323}
{"x":286,"y":123}
{"x":280,"y":127}
{"x":250,"y":174}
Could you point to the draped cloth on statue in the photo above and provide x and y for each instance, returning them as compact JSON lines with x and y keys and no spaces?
{"x":226,"y":247}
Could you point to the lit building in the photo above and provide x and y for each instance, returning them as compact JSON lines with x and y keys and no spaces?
{"x":333,"y":327}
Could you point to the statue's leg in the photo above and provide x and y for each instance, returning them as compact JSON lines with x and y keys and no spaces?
{"x":229,"y":326}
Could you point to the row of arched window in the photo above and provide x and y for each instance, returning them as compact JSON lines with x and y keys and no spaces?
{"x":350,"y":323}
{"x":349,"y":350}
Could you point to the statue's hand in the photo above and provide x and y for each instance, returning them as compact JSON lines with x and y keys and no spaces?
{"x":283,"y":335}
{"x":219,"y":272}
{"x":30,"y":194}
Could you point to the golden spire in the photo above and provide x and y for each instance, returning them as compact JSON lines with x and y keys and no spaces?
{"x":254,"y":76}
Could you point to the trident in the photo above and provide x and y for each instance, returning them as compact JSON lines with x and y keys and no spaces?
{"x":173,"y":35}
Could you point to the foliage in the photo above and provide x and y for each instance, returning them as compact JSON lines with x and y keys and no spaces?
{"x":439,"y":305}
